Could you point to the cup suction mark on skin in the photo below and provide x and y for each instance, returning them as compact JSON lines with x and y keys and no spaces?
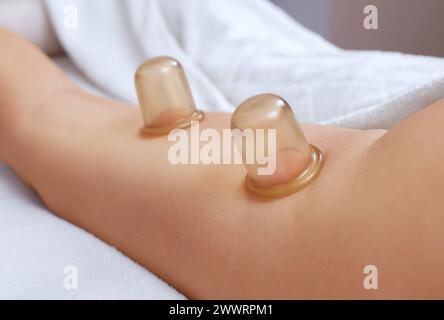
{"x":289,"y":164}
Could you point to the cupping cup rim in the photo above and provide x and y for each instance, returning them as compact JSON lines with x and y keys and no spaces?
{"x":295,"y":184}
{"x":197,"y":115}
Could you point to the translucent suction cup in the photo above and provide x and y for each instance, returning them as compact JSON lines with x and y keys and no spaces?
{"x":165,"y":96}
{"x":279,"y":139}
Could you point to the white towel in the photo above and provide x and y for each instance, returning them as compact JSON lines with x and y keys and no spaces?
{"x":231,"y":49}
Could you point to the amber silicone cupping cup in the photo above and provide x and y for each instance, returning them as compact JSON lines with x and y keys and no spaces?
{"x":167,"y":103}
{"x":296,"y":162}
{"x":165,"y":96}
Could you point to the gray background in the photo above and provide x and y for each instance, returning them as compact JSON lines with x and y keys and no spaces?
{"x":410,"y":26}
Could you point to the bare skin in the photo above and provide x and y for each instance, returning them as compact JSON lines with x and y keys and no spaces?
{"x":378,"y":199}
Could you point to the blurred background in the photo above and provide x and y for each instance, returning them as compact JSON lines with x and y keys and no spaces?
{"x":409,"y":26}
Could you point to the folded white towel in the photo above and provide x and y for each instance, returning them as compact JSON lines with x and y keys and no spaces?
{"x":29,"y":19}
{"x":230,"y":49}
{"x":233,"y":49}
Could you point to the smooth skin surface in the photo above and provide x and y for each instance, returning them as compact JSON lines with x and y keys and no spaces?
{"x":378,"y":200}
